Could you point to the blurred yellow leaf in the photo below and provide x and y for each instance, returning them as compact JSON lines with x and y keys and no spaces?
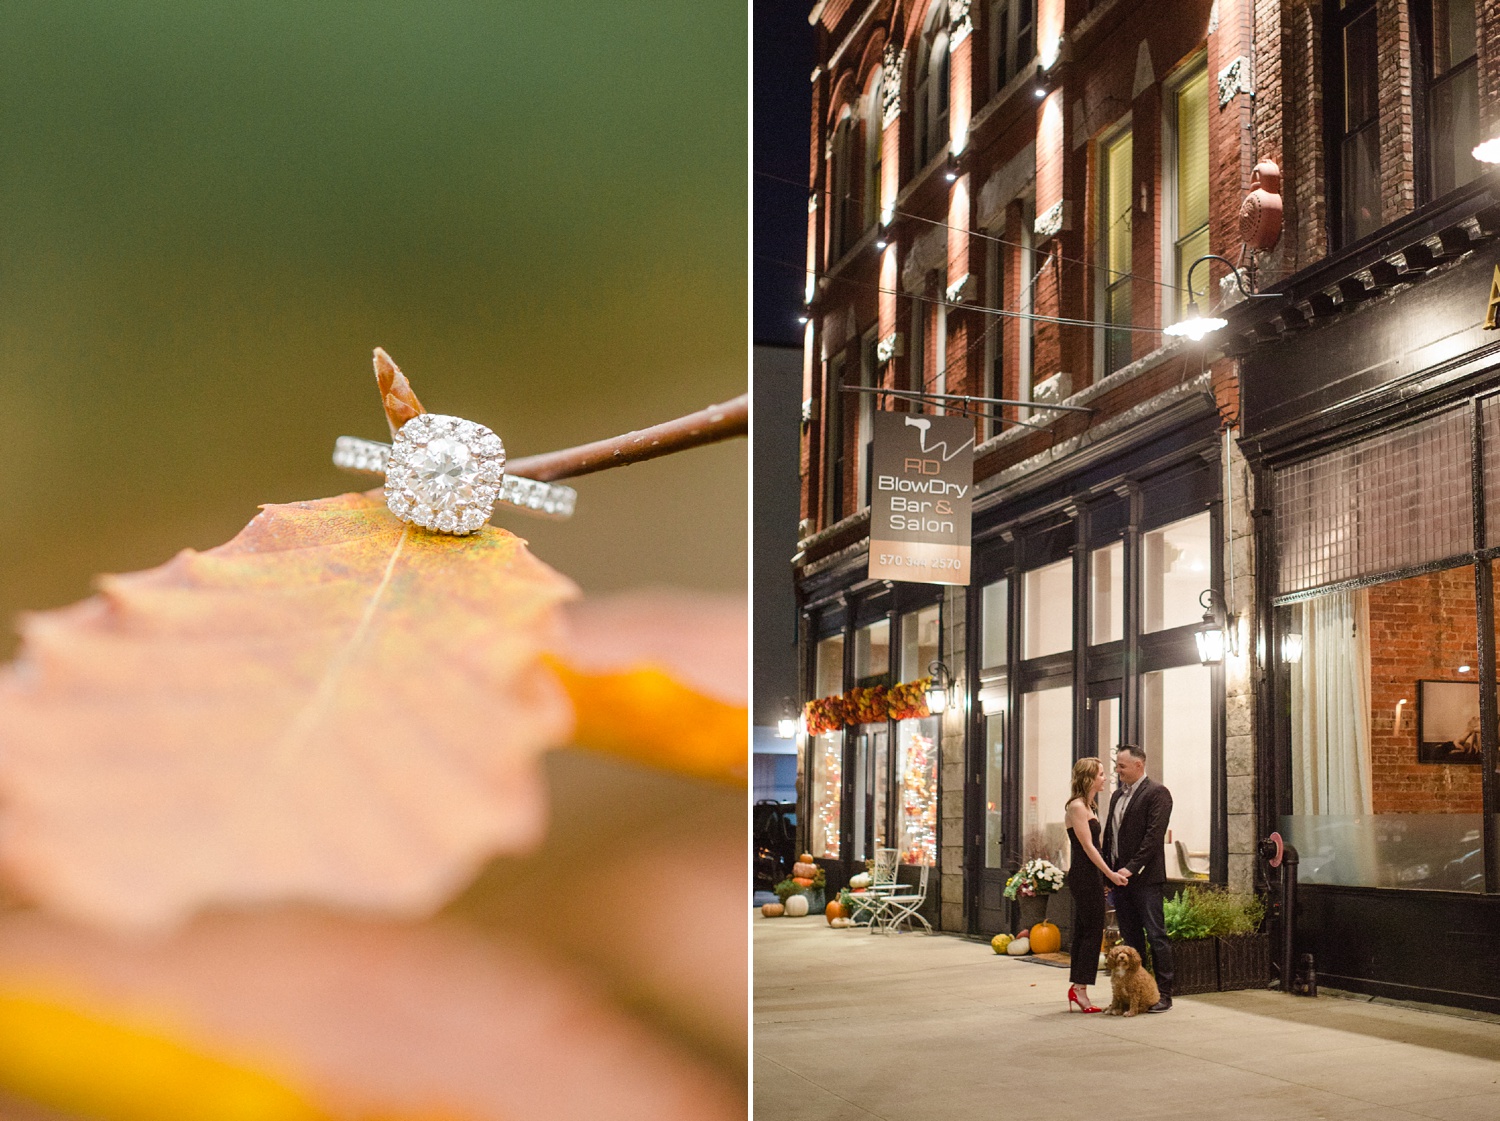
{"x":660,"y":677}
{"x":334,"y":706}
{"x":298,"y":1016}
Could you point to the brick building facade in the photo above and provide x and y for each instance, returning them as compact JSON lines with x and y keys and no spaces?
{"x":1006,"y":199}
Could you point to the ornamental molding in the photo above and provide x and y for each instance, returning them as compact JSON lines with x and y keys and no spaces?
{"x":1233,"y":79}
{"x":892,"y":346}
{"x":928,"y":253}
{"x":955,"y":291}
{"x":1051,"y":221}
{"x":892,"y":62}
{"x":1009,"y":182}
{"x":1145,"y":71}
{"x":961,"y":21}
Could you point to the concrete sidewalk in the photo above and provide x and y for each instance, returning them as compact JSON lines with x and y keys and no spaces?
{"x":851,"y":1026}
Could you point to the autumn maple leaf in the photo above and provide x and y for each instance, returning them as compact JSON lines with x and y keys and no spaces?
{"x":334,"y":707}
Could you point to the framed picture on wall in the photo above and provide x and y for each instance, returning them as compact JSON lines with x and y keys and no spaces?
{"x":1448,"y":722}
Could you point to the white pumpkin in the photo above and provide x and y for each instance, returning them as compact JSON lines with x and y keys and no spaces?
{"x":841,"y":923}
{"x":1018,"y":946}
{"x":796,"y":906}
{"x":861,"y":880}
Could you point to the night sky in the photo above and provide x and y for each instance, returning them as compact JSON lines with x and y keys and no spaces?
{"x":784,"y":47}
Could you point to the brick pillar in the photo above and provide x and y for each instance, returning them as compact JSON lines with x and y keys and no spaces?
{"x":1050,"y":172}
{"x":960,"y":246}
{"x":1268,"y":61}
{"x":1231,"y":147}
{"x":1487,"y":15}
{"x":1398,"y":190}
{"x":1306,"y":167}
{"x":1239,"y":677}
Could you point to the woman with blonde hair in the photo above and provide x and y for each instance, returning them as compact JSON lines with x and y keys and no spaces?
{"x":1087,"y":873}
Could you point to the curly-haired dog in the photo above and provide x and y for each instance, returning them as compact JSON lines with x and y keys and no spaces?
{"x":1134,"y":989}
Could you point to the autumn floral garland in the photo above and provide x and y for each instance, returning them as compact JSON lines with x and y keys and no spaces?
{"x":870,"y":705}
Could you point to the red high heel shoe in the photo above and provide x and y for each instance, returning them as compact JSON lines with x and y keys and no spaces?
{"x":1073,"y":999}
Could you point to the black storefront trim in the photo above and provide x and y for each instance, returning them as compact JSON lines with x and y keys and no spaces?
{"x":1369,"y":365}
{"x":1436,"y":946}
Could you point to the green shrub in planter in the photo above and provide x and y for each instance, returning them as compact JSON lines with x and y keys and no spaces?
{"x":1215,"y":944}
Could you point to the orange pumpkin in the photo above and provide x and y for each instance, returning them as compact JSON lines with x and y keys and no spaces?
{"x":802,"y":881}
{"x":834,"y":910}
{"x":772,"y":910}
{"x":1045,"y":938}
{"x":806,"y":870}
{"x":806,"y":858}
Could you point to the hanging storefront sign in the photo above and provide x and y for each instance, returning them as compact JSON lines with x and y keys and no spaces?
{"x":921,"y":498}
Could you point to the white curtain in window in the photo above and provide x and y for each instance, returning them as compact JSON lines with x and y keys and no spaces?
{"x":1331,"y":707}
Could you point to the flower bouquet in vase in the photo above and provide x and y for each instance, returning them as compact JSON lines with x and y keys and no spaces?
{"x":1030,"y":886}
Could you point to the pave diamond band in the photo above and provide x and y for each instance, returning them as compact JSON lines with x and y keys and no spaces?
{"x":446,"y":474}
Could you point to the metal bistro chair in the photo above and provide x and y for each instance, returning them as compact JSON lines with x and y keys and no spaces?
{"x":904,"y":906}
{"x":871,"y":902}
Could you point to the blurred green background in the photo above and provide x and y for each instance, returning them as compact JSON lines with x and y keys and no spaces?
{"x":211,"y":212}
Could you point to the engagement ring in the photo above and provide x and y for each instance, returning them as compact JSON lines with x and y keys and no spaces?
{"x":446,"y":474}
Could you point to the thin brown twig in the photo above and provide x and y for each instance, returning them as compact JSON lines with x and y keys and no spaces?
{"x":707,"y":426}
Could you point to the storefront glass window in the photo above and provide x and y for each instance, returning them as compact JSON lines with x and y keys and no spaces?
{"x":916,"y":741}
{"x":1047,"y":765}
{"x":1386,"y":761}
{"x":994,"y":624}
{"x":1107,"y":594}
{"x":1177,"y":727}
{"x":872,"y":778}
{"x":1047,"y":610}
{"x":872,"y":654}
{"x":994,"y":760}
{"x":920,"y":632}
{"x":827,"y":755}
{"x":1176,"y":563}
{"x":827,"y":780}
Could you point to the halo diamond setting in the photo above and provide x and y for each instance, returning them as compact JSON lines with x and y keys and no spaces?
{"x":444,"y":473}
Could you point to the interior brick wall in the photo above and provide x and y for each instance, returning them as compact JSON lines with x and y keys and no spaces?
{"x":1420,"y":629}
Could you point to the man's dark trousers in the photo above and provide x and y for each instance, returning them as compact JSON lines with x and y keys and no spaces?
{"x":1138,"y":912}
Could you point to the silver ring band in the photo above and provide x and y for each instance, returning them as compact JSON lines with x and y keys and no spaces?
{"x":552,"y":500}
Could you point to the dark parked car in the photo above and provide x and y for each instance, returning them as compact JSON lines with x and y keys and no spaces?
{"x":774,"y":832}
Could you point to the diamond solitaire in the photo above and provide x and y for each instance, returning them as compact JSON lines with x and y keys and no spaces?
{"x":446,"y":474}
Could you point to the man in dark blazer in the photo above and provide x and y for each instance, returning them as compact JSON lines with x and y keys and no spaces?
{"x":1135,"y":829}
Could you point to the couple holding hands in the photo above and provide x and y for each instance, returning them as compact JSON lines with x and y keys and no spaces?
{"x":1127,"y":860}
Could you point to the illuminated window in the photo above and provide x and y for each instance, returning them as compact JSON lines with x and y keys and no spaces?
{"x":1187,"y":186}
{"x":1114,"y":192}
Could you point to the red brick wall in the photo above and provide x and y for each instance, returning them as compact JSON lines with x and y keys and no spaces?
{"x":1397,"y":170}
{"x":1420,"y":629}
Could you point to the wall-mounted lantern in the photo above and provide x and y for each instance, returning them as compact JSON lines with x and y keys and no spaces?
{"x":786,"y":727}
{"x":1291,"y":647}
{"x":1215,"y":636}
{"x":940,"y":689}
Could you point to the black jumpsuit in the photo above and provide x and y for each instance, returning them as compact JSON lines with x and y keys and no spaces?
{"x":1086,"y":883}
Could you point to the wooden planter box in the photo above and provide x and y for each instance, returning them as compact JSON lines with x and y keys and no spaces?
{"x":1195,"y":967}
{"x":1244,"y":961}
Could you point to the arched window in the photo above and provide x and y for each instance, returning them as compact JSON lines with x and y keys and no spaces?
{"x":843,"y":202}
{"x":874,"y":113}
{"x":929,"y":90}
